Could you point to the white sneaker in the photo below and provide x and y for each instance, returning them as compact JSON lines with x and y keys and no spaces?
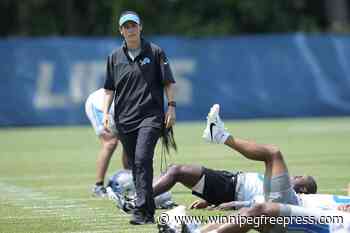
{"x":215,"y":131}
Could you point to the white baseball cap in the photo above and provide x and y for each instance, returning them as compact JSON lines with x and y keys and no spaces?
{"x":129,"y":16}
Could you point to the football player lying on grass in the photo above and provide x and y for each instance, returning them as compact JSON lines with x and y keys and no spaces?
{"x":280,"y":199}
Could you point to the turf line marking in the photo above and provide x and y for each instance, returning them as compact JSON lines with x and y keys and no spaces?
{"x":45,"y":206}
{"x":32,"y":178}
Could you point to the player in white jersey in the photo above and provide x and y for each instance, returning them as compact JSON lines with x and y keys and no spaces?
{"x":313,"y":201}
{"x":323,"y":201}
{"x":109,"y":139}
{"x":218,"y":187}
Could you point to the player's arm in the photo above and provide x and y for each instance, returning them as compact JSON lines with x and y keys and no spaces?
{"x":199,"y":204}
{"x":232,"y":205}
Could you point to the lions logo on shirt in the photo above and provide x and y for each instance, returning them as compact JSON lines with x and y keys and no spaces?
{"x":145,"y":61}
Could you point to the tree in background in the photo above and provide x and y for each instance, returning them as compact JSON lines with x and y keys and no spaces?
{"x":337,"y":14}
{"x":172,"y":17}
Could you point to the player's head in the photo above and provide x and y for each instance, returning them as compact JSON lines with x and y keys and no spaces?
{"x":130,"y":26}
{"x":304,"y":184}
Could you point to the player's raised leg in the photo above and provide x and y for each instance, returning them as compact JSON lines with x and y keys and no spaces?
{"x":277,"y":183}
{"x":275,"y":168}
{"x":269,"y":154}
{"x":216,"y":133}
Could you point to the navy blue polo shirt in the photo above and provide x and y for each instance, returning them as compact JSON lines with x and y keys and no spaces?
{"x":139,"y":86}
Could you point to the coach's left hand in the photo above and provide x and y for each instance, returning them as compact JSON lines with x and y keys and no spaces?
{"x":170,"y":117}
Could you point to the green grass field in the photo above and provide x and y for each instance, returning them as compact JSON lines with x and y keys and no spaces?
{"x":46,"y":174}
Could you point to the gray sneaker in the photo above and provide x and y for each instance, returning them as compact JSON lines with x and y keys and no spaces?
{"x":99,"y":191}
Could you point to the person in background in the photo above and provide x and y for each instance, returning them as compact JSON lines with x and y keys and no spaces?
{"x":108,"y":139}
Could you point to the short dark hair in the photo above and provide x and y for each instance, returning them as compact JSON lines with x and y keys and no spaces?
{"x":306,"y":186}
{"x":311,"y":185}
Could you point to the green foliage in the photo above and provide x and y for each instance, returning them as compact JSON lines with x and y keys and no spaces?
{"x":171,"y":17}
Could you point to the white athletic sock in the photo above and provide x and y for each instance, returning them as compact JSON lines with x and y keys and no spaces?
{"x":221,"y":137}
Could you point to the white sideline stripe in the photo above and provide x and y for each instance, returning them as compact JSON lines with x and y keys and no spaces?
{"x":45,"y":206}
{"x":94,"y":231}
{"x":102,"y":231}
{"x":24,"y":178}
{"x":64,"y":187}
{"x":117,"y":227}
{"x":69,"y":217}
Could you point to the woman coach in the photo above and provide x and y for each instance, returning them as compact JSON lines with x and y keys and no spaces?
{"x":137,"y":74}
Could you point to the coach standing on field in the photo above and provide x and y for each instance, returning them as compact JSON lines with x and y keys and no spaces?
{"x":137,"y":74}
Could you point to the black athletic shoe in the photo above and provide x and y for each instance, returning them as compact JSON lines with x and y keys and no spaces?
{"x":138,"y":217}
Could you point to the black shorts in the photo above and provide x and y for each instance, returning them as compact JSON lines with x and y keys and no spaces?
{"x":219,"y":186}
